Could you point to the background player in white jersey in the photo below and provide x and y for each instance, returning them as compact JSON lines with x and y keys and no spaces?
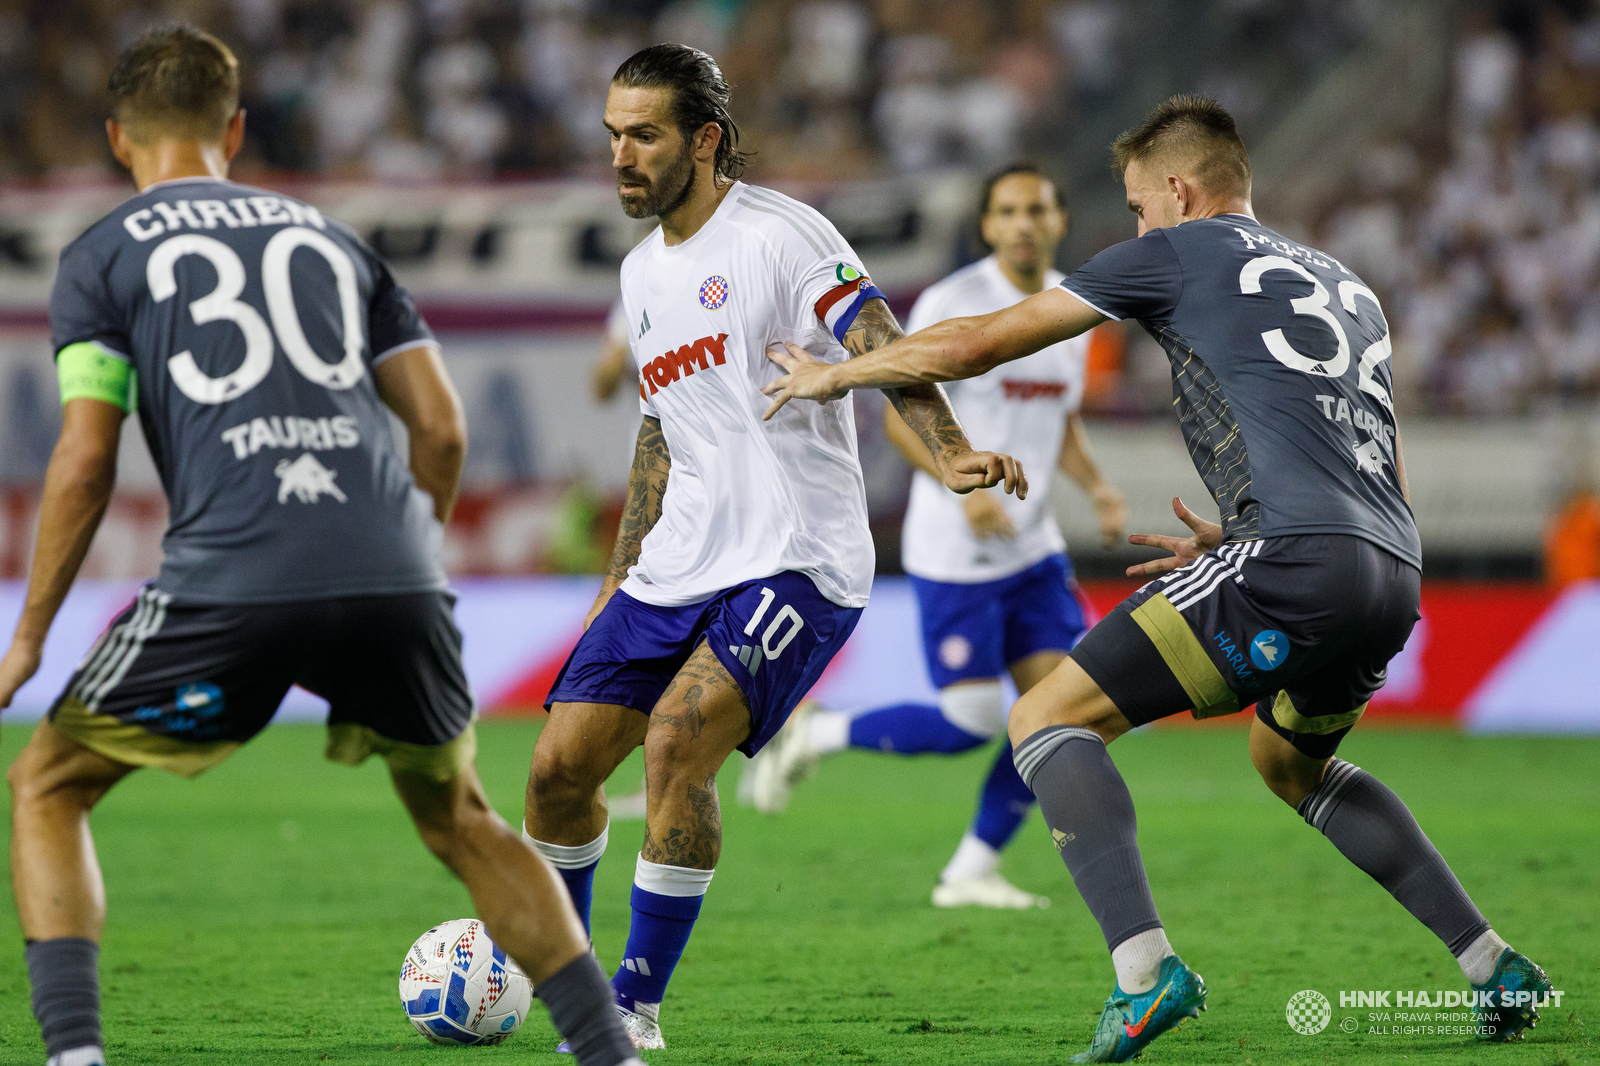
{"x":994,"y":586}
{"x":303,"y":548}
{"x":743,"y":558}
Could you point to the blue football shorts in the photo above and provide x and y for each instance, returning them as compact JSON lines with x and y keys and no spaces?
{"x":774,"y":636}
{"x":977,"y":630}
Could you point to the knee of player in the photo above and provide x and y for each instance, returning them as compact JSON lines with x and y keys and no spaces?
{"x":34,"y":776}
{"x":667,"y":755}
{"x":977,"y":707}
{"x":561,"y":773}
{"x":1285,"y":777}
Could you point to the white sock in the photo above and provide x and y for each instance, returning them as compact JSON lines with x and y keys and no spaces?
{"x":1477,"y":962}
{"x":973,"y":858}
{"x":1138,"y":960}
{"x":828,"y":732}
{"x":563,"y":857}
{"x":88,"y":1055}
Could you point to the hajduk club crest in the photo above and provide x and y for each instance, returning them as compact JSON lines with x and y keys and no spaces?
{"x":713,"y":292}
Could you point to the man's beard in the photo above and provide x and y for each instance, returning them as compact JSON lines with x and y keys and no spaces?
{"x":659,"y":197}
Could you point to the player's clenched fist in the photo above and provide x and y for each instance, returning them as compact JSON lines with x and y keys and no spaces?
{"x":983,"y":470}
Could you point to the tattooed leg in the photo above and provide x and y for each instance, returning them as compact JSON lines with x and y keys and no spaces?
{"x":698,"y":721}
{"x":696,"y":725}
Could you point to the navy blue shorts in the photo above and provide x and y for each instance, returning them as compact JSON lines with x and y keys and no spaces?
{"x":775,"y":636}
{"x":978,"y":630}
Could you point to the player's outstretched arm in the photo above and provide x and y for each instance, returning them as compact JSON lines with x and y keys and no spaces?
{"x":955,"y":349}
{"x":647,"y":489}
{"x":1077,"y":462}
{"x":415,"y":386}
{"x":77,"y":487}
{"x":926,"y":410}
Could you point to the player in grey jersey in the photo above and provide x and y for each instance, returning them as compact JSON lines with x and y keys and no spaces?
{"x":1295,"y":602}
{"x":262,"y":346}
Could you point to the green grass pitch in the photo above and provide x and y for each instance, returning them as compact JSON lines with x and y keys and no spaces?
{"x":259,"y":915}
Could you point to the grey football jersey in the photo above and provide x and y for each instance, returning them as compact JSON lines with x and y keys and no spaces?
{"x":253,"y":324}
{"x":1280,"y":376}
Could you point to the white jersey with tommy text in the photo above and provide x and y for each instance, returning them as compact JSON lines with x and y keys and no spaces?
{"x":747,"y":499}
{"x":1019,"y":408}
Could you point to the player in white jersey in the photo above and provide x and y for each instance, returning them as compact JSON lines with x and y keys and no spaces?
{"x":743,"y":558}
{"x":994,"y":586}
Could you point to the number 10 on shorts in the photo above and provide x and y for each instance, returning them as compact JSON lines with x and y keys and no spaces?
{"x":784,"y":627}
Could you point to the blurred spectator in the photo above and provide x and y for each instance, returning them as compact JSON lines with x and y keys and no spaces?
{"x":1479,"y":232}
{"x":1572,"y":542}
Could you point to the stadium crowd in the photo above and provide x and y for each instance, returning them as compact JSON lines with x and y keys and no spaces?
{"x":1482,"y":235}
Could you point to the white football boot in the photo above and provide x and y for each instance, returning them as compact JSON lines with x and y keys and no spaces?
{"x":643,"y":1025}
{"x":986,"y":890}
{"x":787,"y":760}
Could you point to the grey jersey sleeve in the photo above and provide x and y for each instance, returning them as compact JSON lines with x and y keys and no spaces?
{"x":81,"y":308}
{"x":1141,"y":279}
{"x":393,"y":321}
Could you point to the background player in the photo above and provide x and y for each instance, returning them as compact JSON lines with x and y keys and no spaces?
{"x":993,"y":582}
{"x":1295,"y":602}
{"x":612,"y":364}
{"x":743,"y":558}
{"x":260,"y":344}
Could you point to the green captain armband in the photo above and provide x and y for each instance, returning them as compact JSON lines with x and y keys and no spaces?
{"x":90,"y":372}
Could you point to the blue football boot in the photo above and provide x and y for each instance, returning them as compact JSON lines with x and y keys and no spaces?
{"x":1129,"y":1022}
{"x":1510,"y":1015}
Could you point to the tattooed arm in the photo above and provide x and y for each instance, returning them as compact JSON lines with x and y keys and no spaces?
{"x":647,"y":487}
{"x":926,"y":410}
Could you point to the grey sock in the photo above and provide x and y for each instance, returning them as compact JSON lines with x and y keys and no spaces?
{"x":1373,"y":829}
{"x":1086,"y":804}
{"x":584,"y":1012}
{"x":66,"y":991}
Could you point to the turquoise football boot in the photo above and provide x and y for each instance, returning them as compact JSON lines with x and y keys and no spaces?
{"x":1510,"y":1015}
{"x":1130,"y":1022}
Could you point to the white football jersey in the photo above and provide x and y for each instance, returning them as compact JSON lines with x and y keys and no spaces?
{"x":1019,"y":408}
{"x":747,"y":499}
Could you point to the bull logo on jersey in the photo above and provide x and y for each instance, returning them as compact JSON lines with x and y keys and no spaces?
{"x":1369,"y":457}
{"x":307,"y":479}
{"x":713,"y":292}
{"x":663,"y":370}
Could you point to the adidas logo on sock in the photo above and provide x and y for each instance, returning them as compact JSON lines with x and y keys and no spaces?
{"x":751,"y":658}
{"x":638,"y":965}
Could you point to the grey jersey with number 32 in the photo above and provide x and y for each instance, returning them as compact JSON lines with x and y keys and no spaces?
{"x":1280,"y":376}
{"x":253,"y":325}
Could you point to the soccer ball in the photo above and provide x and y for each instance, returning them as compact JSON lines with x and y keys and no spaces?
{"x":458,"y":986}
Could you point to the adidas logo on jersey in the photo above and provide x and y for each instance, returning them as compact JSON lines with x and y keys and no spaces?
{"x":663,"y":370}
{"x":644,"y":324}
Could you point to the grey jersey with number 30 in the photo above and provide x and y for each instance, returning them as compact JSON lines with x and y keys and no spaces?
{"x":254,"y":324}
{"x":1280,"y":376}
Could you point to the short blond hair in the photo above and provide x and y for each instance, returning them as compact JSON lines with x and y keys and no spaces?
{"x":175,"y":81}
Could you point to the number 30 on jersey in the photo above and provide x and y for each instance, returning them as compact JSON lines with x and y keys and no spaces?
{"x":223,"y":303}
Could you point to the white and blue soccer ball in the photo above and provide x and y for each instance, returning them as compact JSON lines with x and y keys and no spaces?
{"x":458,"y":986}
